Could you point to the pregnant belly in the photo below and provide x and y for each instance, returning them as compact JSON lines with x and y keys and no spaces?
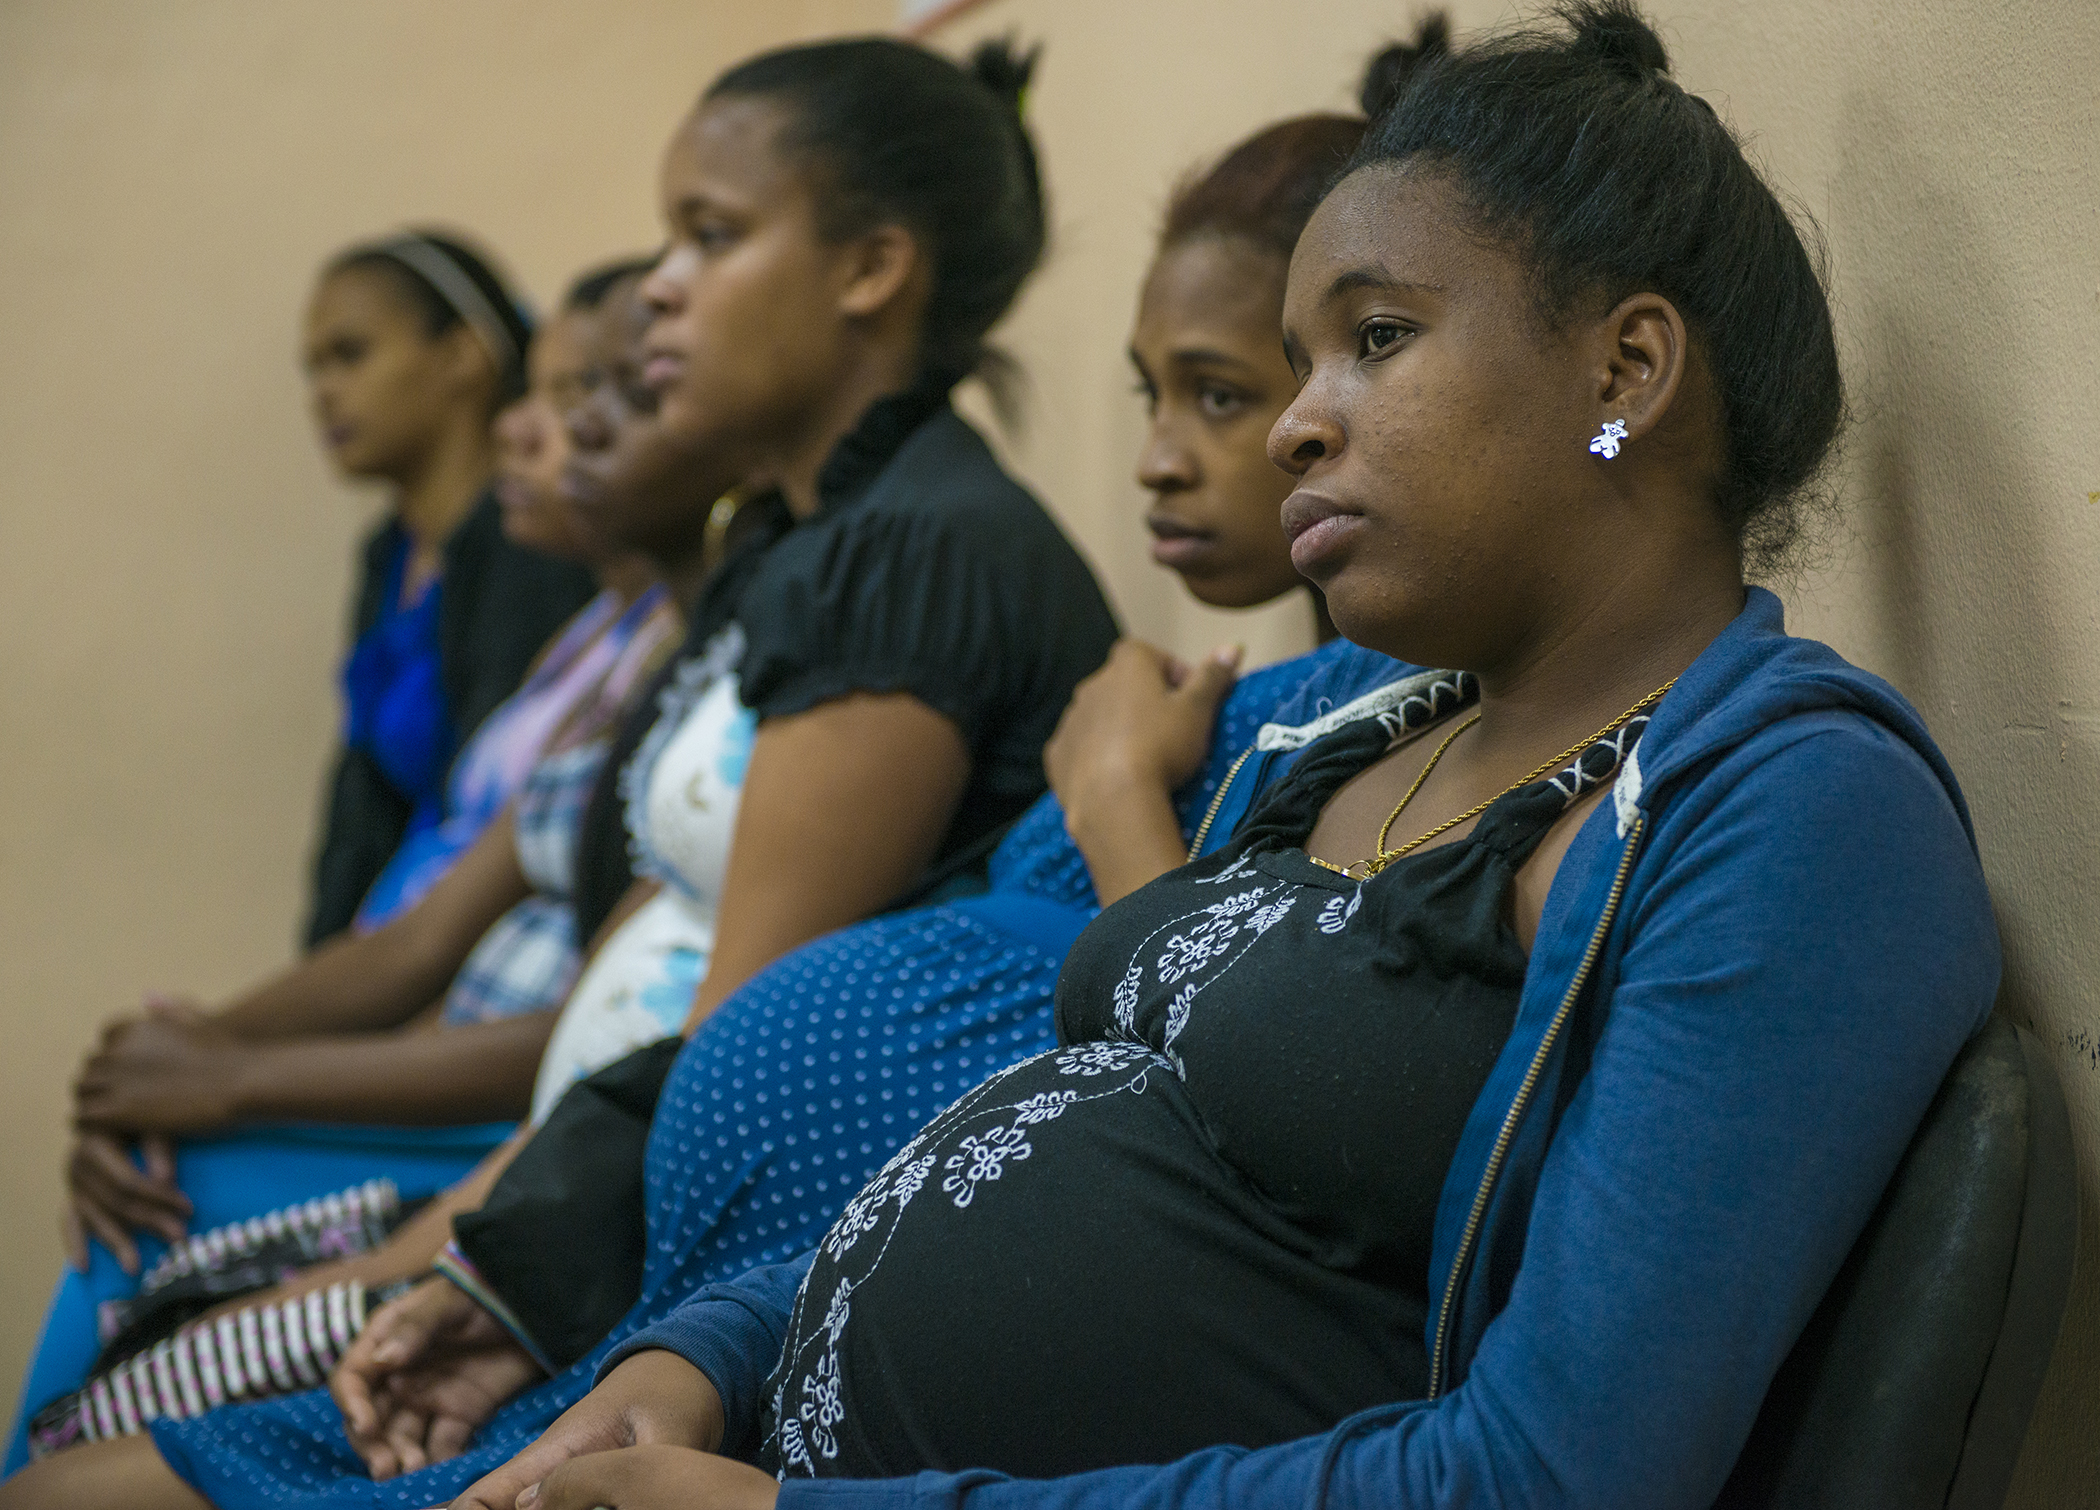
{"x":1060,"y":1274}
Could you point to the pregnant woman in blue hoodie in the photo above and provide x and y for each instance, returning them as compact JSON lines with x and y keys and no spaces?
{"x":1482,"y":1122}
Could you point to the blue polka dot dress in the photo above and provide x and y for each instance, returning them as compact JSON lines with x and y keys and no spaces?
{"x":786,"y":1102}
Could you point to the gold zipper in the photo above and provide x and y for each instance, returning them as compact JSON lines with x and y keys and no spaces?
{"x":1515,"y":1114}
{"x":1203,"y":828}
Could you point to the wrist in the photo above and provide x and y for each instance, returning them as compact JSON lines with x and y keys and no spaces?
{"x":1106,"y":799}
{"x":670,"y":1383}
{"x":248,"y":1075}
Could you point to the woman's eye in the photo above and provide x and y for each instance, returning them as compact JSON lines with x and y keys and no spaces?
{"x":1147,"y":392}
{"x":712,"y":236}
{"x":1375,"y":337}
{"x":1217,"y":402}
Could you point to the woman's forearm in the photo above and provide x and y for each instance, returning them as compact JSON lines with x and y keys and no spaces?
{"x":481,"y":1072}
{"x":371,"y":982}
{"x":352,"y":984}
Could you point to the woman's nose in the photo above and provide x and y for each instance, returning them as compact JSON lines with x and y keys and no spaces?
{"x":1303,"y":434}
{"x":1165,"y":465}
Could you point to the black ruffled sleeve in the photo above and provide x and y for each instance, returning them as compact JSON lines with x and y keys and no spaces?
{"x":884,"y":604}
{"x":948,"y":582}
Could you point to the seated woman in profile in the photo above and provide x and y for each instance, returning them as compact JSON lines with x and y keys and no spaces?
{"x":1146,"y":755}
{"x":412,"y":343}
{"x":1482,"y":1123}
{"x":333,"y":1039}
{"x":580,"y":682}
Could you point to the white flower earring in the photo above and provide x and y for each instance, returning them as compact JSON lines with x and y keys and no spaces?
{"x":1606,"y":445}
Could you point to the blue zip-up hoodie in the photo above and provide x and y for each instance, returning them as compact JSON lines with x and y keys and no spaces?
{"x":1754,"y":967}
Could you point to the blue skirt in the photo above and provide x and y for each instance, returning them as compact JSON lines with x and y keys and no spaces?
{"x":782,"y":1106}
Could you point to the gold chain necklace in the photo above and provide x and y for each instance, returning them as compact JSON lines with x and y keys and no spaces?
{"x":1385,"y":857}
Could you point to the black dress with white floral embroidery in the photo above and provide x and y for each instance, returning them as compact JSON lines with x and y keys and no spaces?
{"x":1206,"y":1219}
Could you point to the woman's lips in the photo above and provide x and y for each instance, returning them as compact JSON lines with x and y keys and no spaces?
{"x":660,"y":369}
{"x":1316,"y":527}
{"x":1175,"y":544}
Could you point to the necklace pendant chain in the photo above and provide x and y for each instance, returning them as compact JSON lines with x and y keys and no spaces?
{"x":1385,"y":857}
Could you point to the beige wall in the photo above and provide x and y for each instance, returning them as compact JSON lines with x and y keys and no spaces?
{"x":175,"y":555}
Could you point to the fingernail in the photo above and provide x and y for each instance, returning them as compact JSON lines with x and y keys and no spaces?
{"x":529,"y":1495}
{"x":389,"y":1351}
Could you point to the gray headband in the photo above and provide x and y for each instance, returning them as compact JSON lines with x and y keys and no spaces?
{"x":430,"y":263}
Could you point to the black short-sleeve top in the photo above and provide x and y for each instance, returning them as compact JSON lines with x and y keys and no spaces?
{"x":932,"y":573}
{"x":926,"y":570}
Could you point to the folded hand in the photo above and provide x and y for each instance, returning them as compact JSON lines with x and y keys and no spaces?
{"x":430,"y":1369}
{"x":652,"y":1400}
{"x":175,"y":1070}
{"x":109,"y":1196}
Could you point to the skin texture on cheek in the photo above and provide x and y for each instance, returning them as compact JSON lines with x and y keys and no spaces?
{"x":533,"y":444}
{"x":741,"y":297}
{"x":1207,"y":349}
{"x":637,"y":484}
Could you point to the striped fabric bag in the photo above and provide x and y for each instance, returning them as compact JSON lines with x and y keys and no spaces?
{"x":264,"y":1349}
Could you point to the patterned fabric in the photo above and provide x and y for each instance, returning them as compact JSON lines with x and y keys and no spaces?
{"x":578,"y":686}
{"x":1267,"y":1069}
{"x":528,"y":961}
{"x":209,"y":1267}
{"x":788,"y":1100}
{"x":255,"y":1353}
{"x":682,"y":790}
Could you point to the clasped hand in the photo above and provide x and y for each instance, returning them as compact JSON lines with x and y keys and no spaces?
{"x":172,"y":1070}
{"x":1143,"y":718}
{"x":644,"y":1439}
{"x":430,"y":1368}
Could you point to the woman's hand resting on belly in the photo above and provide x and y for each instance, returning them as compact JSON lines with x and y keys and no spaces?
{"x":655,"y":1403}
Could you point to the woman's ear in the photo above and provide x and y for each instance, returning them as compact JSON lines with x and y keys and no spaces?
{"x":880,"y":265}
{"x":468,"y":366}
{"x":1642,"y":352}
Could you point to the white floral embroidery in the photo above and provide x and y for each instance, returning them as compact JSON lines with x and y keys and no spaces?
{"x":1186,"y":953}
{"x":1126,"y":996}
{"x":860,"y":1215}
{"x":1268,"y":917}
{"x":838,"y":1311}
{"x":909,"y":1182}
{"x":1334,"y":917}
{"x":1178,"y":1015}
{"x":1092,"y":1059}
{"x":821,"y":1407}
{"x":980,"y":1157}
{"x":1236,"y":869}
{"x":794,"y":1453}
{"x":1044,"y":1106}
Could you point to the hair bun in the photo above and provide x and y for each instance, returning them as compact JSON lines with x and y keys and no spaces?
{"x":1005,"y":70}
{"x":1387,"y":74}
{"x":1614,"y":32}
